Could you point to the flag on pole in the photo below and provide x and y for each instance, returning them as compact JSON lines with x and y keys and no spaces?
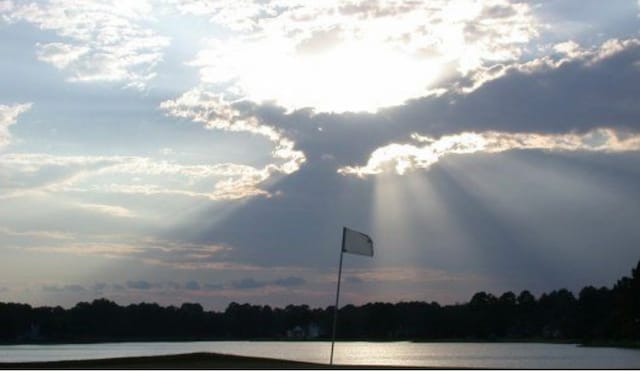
{"x":354,"y":242}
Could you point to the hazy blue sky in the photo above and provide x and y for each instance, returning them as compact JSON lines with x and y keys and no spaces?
{"x":192,"y":150}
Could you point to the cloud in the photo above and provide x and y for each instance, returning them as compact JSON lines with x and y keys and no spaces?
{"x":289,"y":281}
{"x":247,"y":283}
{"x":45,"y":173}
{"x":66,"y":288}
{"x":99,"y":286}
{"x":192,"y":285}
{"x":214,"y":111}
{"x":330,"y":55}
{"x":560,"y":101}
{"x":51,"y":288}
{"x":565,"y":52}
{"x":147,"y":250}
{"x":139,"y":285}
{"x":8,"y":117}
{"x":103,"y":41}
{"x":320,"y":41}
{"x":6,"y":5}
{"x":408,"y":275}
{"x":407,"y":157}
{"x":43,"y":234}
{"x":240,"y":17}
{"x":59,"y":54}
{"x":109,"y":250}
{"x":112,"y":210}
{"x":569,"y":48}
{"x":212,"y":286}
{"x":251,"y":283}
{"x":556,"y":95}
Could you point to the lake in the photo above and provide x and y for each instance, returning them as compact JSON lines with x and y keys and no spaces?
{"x":489,"y":355}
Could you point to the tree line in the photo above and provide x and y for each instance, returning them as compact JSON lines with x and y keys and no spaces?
{"x":595,"y":315}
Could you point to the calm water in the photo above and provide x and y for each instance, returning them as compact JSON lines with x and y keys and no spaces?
{"x":491,"y":355}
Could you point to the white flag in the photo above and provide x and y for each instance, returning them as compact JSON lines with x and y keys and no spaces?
{"x":355,"y":242}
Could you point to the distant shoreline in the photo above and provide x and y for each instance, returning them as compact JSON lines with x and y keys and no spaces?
{"x":611,"y":344}
{"x":593,"y":343}
{"x":285,"y":340}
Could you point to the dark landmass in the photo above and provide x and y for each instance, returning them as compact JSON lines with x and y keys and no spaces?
{"x":596,"y":317}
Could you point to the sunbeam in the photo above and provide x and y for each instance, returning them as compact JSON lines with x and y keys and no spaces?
{"x":547,"y":202}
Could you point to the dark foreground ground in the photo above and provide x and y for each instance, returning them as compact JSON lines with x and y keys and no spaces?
{"x":184,"y":361}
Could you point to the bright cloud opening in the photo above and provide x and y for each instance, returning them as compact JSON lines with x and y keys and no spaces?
{"x":353,"y":56}
{"x":352,"y":77}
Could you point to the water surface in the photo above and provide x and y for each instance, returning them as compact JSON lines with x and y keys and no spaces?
{"x":489,"y":355}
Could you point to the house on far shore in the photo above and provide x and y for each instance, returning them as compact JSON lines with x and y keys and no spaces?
{"x":311,"y":331}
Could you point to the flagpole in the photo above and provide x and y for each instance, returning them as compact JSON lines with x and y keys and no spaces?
{"x":335,"y":309}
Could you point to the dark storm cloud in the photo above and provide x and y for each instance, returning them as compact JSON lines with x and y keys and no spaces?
{"x":572,"y":97}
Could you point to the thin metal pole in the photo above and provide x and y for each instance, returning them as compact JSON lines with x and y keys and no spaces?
{"x":335,"y":309}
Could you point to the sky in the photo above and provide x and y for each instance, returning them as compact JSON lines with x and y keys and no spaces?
{"x":178,"y":151}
